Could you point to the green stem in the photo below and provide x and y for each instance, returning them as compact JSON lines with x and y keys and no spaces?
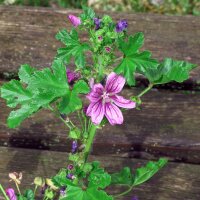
{"x":146,"y":90}
{"x":125,"y":192}
{"x":92,"y":133}
{"x":57,"y":115}
{"x":3,"y":191}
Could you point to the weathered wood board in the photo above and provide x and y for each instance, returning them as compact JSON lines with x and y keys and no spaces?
{"x":168,"y":124}
{"x":27,"y":35}
{"x":175,"y":181}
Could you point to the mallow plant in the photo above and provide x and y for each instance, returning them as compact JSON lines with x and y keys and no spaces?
{"x":103,"y":63}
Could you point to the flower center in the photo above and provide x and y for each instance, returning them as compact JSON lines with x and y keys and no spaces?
{"x":106,"y":97}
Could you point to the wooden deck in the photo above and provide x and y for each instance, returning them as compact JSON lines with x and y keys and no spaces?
{"x":168,"y":124}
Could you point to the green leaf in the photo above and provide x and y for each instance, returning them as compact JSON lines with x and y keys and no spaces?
{"x":124,"y":177}
{"x":15,"y":93}
{"x":88,"y":13}
{"x":25,"y":73}
{"x":170,"y":70}
{"x":76,"y":193}
{"x":73,"y":47}
{"x":29,"y":195}
{"x":75,"y":133}
{"x":98,"y":177}
{"x":72,"y":102}
{"x":60,"y":179}
{"x":134,"y":61}
{"x":35,"y":90}
{"x":143,"y":174}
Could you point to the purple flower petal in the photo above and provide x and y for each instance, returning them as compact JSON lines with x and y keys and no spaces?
{"x":74,"y":146}
{"x":114,"y":83}
{"x":76,"y":21}
{"x":96,"y":93}
{"x":11,"y":194}
{"x":122,"y":102}
{"x":72,"y":76}
{"x":113,"y":114}
{"x":96,"y":111}
{"x":121,"y":25}
{"x":97,"y":22}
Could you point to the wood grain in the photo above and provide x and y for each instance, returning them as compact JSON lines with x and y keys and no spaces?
{"x":175,"y":181}
{"x":168,"y":125}
{"x":27,"y":36}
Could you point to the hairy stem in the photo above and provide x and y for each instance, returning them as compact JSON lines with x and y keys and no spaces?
{"x":91,"y":136}
{"x":146,"y":90}
{"x":3,"y":192}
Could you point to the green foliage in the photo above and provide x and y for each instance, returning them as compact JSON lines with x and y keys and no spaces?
{"x":143,"y":174}
{"x":72,"y":102}
{"x":36,"y":89}
{"x":29,"y":194}
{"x":91,"y":193}
{"x":98,"y":177}
{"x":124,"y":177}
{"x":60,"y":179}
{"x":169,"y":70}
{"x":73,"y":48}
{"x":134,"y":60}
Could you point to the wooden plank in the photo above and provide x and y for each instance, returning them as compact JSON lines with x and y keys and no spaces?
{"x":175,"y":181}
{"x":168,"y":125}
{"x":27,"y":36}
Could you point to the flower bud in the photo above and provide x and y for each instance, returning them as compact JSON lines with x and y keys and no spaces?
{"x":51,"y":184}
{"x":11,"y":194}
{"x":76,"y":21}
{"x":39,"y":181}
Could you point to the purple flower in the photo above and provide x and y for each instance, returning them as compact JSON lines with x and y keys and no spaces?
{"x":72,"y":76}
{"x":71,"y":176}
{"x":76,"y":21}
{"x":63,"y":191}
{"x":74,"y":146}
{"x":11,"y":194}
{"x":105,"y":101}
{"x":70,"y":167}
{"x":97,"y":22}
{"x":108,"y":49}
{"x":134,"y":198}
{"x":121,"y":25}
{"x":100,"y":38}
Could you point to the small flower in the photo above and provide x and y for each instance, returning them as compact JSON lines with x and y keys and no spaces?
{"x":134,"y":198}
{"x":108,"y":49}
{"x":74,"y":146}
{"x":121,"y":25}
{"x":63,"y":191}
{"x":16,"y":177}
{"x":70,"y":167}
{"x":100,"y":38}
{"x":72,"y":76}
{"x":76,"y":21}
{"x":97,"y":22}
{"x":71,"y":176}
{"x":11,"y":194}
{"x":105,"y":101}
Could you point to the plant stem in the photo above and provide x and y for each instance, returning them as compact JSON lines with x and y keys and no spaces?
{"x":92,"y":133}
{"x":57,"y":115}
{"x":146,"y":90}
{"x":3,"y":191}
{"x":17,"y":186}
{"x":125,"y":192}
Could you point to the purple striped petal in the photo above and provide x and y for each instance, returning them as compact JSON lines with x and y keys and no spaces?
{"x":113,"y":114}
{"x":96,"y":111}
{"x":122,"y":102}
{"x":114,"y":83}
{"x":76,"y":21}
{"x":96,"y":93}
{"x":11,"y":194}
